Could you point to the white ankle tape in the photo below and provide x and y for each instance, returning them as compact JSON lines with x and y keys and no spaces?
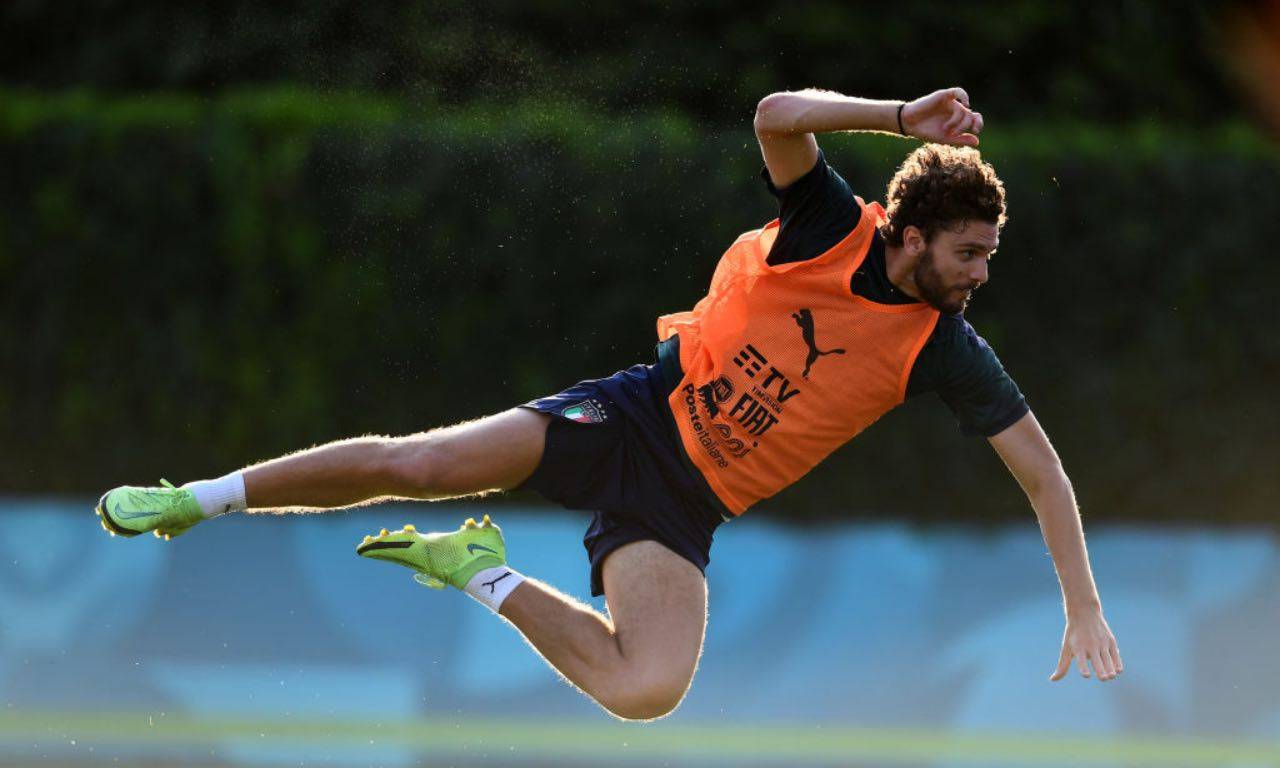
{"x":492,"y":585}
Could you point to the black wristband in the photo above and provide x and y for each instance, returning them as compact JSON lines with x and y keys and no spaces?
{"x":901,"y":130}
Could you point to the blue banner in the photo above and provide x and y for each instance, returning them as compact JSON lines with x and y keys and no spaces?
{"x":265,"y":640}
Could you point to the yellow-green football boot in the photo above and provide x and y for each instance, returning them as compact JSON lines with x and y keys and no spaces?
{"x":440,"y":558}
{"x":165,"y":511}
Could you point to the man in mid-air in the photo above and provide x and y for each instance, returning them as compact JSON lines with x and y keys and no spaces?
{"x":814,"y":326}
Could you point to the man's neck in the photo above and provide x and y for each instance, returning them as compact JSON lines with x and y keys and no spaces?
{"x":900,"y":268}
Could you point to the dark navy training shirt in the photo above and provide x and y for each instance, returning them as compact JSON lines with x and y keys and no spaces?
{"x":817,"y":211}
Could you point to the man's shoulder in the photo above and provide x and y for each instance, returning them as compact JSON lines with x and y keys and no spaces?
{"x":955,"y":330}
{"x":955,"y":352}
{"x":816,"y":212}
{"x":964,"y":370}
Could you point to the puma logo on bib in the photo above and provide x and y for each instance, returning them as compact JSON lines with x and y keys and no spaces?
{"x":804,"y":319}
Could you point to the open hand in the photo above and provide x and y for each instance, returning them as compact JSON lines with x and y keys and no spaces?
{"x":1089,"y":639}
{"x":943,"y":116}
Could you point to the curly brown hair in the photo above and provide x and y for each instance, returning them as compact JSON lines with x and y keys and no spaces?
{"x":940,"y":186}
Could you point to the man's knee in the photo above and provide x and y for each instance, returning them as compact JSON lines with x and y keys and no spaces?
{"x":648,"y":696}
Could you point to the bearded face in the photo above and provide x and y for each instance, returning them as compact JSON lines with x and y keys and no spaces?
{"x":936,"y":291}
{"x":954,"y":264}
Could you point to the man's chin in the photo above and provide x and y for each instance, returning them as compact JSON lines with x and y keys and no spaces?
{"x":948,"y":301}
{"x":951,"y":307}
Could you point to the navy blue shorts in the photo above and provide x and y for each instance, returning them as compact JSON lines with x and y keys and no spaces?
{"x":612,"y":449}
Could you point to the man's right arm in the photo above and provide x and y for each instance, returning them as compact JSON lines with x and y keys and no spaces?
{"x":786,"y":122}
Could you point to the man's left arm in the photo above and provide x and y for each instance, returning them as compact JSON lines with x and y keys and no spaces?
{"x":1026,"y":451}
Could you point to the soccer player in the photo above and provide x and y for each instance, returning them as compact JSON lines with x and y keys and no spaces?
{"x":814,"y":326}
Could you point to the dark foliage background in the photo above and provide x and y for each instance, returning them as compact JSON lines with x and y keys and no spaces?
{"x":228,"y":231}
{"x":711,"y":60}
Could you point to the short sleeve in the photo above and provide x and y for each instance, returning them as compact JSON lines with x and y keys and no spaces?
{"x":815,"y":212}
{"x":963,"y":369}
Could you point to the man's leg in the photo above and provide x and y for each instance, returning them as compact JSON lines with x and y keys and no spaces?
{"x":493,"y":453}
{"x":638,"y":662}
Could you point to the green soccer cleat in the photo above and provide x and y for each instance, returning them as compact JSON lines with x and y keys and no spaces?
{"x":440,"y":558}
{"x":166,"y":511}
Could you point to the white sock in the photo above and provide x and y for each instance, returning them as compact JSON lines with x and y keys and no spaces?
{"x":492,"y":585}
{"x":220,"y":496}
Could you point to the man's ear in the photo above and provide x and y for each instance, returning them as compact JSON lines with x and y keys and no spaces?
{"x":913,"y":241}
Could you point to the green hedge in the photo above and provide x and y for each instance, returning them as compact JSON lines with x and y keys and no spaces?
{"x":1108,"y":61}
{"x":188,"y":285}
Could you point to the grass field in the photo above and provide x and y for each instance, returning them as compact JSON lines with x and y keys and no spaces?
{"x":75,"y":738}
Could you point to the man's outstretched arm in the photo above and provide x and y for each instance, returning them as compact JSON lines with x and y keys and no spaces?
{"x":1026,"y":450}
{"x":786,"y":122}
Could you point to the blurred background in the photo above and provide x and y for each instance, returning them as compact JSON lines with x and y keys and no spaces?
{"x":230,"y":230}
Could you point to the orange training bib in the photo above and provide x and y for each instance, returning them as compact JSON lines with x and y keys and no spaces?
{"x":784,"y":364}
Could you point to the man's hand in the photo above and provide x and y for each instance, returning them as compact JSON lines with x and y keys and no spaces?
{"x":943,"y":116}
{"x":1089,"y":639}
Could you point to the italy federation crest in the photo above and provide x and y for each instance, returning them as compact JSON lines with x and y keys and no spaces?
{"x":589,"y":411}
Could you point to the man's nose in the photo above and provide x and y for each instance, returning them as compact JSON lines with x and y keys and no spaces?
{"x":979,"y":273}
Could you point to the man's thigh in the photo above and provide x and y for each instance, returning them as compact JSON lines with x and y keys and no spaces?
{"x":496,"y":452}
{"x":658,"y":604}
